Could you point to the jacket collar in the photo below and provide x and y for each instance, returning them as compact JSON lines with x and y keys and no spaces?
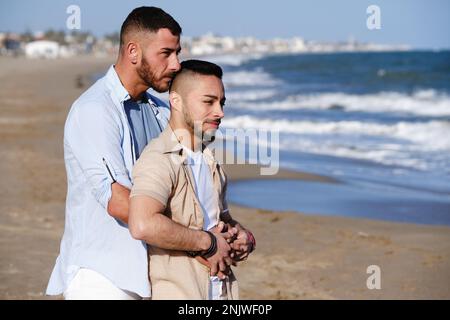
{"x":171,"y":144}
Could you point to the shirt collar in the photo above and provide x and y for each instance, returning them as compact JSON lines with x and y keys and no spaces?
{"x":172,"y":145}
{"x":117,"y":88}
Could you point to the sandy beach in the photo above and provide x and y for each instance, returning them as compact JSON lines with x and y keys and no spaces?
{"x":298,"y":256}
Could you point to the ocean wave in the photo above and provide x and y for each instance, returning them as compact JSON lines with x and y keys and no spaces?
{"x":421,"y":146}
{"x":383,"y":154}
{"x":250,"y":95}
{"x":423,"y":102}
{"x":431,"y":135}
{"x":252,"y":78}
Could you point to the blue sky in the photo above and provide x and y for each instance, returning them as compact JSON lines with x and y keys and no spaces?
{"x":419,"y":23}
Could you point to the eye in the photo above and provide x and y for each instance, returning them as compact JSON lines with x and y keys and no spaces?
{"x":208,"y":102}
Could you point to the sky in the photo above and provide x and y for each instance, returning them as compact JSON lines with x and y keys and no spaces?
{"x":422,"y":24}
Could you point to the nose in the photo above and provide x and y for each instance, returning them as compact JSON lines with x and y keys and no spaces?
{"x":175,"y":64}
{"x":219,"y":112}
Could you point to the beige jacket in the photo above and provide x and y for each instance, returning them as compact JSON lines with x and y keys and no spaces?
{"x":162,"y":172}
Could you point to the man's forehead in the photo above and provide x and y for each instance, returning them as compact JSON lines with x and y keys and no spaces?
{"x":207,"y":85}
{"x":164,"y":38}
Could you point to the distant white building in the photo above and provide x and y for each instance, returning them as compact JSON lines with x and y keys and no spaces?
{"x":42,"y":49}
{"x":228,"y":43}
{"x":202,"y":49}
{"x":297,"y":45}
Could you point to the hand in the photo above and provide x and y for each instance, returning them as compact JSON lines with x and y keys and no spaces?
{"x":242,"y":246}
{"x":221,"y":261}
{"x":222,"y":227}
{"x":220,"y":274}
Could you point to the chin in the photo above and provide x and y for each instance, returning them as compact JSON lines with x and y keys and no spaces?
{"x":161,"y":89}
{"x":209,"y":135}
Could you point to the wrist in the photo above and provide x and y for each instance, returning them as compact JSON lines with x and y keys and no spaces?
{"x":205,"y":241}
{"x":212,"y":248}
{"x":208,"y":246}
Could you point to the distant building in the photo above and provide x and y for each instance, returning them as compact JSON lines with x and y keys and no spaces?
{"x":42,"y":49}
{"x":297,"y":45}
{"x":57,"y":44}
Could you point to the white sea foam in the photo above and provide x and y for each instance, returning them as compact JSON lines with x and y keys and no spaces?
{"x":423,"y":102}
{"x":389,"y":156}
{"x":432,"y":134}
{"x":250,"y":95}
{"x":252,"y":78}
{"x":421,"y":145}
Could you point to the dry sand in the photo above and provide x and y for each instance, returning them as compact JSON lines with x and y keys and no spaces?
{"x":298,"y":256}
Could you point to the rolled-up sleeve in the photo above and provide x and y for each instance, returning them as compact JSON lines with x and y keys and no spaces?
{"x":93,"y":137}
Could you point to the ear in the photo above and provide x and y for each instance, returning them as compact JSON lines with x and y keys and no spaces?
{"x":132,"y":51}
{"x":175,"y":101}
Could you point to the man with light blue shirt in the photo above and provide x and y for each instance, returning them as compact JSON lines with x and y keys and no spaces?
{"x":106,"y":130}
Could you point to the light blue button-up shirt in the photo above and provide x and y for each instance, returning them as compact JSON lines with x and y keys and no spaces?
{"x":99,"y":149}
{"x":144,"y":125}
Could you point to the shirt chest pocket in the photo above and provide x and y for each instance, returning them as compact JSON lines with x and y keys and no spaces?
{"x":183,"y":204}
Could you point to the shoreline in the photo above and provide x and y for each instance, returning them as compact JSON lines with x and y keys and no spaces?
{"x":239,"y":172}
{"x":298,"y":256}
{"x":340,"y":199}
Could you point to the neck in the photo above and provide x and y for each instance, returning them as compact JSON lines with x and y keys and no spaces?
{"x":130,"y":80}
{"x":185,"y":135}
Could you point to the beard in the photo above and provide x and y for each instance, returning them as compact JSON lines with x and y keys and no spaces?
{"x":188,"y":119}
{"x":206,"y":136}
{"x":148,"y":75}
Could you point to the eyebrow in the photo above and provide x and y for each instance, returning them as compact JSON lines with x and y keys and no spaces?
{"x":210,"y":96}
{"x":171,"y":49}
{"x":215,"y":97}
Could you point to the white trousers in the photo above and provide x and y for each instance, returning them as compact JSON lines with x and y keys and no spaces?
{"x":90,"y":285}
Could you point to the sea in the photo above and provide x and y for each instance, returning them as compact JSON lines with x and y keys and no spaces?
{"x":377,"y":122}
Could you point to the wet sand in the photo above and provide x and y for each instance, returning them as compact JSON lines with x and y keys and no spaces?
{"x":298,"y":256}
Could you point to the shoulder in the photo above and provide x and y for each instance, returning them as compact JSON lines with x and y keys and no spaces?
{"x":95,"y":104}
{"x":96,"y":99}
{"x":154,"y":158}
{"x":153,"y":169}
{"x":95,"y":120}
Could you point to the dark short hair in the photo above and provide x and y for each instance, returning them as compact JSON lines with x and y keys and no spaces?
{"x":149,"y":19}
{"x":202,"y":67}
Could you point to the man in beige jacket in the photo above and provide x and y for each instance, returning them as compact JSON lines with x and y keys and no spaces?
{"x":178,"y":203}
